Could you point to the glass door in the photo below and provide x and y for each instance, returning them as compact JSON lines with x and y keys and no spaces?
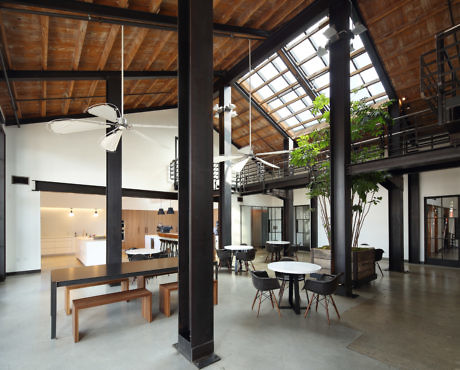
{"x":302,"y":227}
{"x":442,"y":230}
{"x":275,"y":220}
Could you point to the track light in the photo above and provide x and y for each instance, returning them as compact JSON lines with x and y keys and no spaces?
{"x":322,"y":51}
{"x":227,"y":108}
{"x":358,"y":29}
{"x":170,"y":211}
{"x":331,"y":34}
{"x":71,"y":214}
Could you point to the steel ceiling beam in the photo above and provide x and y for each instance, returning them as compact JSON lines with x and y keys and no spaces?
{"x":129,"y":17}
{"x":17,"y":75}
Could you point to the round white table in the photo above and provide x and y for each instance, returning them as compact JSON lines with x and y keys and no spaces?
{"x":236,"y":248}
{"x":294,"y":269}
{"x":283,"y":243}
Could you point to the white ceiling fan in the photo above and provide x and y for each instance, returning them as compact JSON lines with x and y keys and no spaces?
{"x":247,"y":153}
{"x":110,"y":117}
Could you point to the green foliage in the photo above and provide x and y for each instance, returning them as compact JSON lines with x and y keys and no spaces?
{"x":367,"y":122}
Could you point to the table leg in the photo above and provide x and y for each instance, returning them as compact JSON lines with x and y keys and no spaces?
{"x":236,"y":265}
{"x":290,"y":291}
{"x":297,"y":295}
{"x":53,"y":310}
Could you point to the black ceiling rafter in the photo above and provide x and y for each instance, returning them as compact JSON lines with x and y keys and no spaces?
{"x":26,"y":121}
{"x":306,"y":18}
{"x":128,"y":17}
{"x":36,"y":75}
{"x":262,"y":112}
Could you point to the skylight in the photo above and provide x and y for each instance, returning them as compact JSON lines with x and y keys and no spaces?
{"x":275,"y":88}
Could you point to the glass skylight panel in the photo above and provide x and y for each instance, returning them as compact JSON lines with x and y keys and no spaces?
{"x":313,"y":66}
{"x":279,"y":64}
{"x":376,"y":88}
{"x":321,"y":80}
{"x":357,"y":43}
{"x":298,"y":128}
{"x":291,"y":121}
{"x":296,"y":106}
{"x":265,"y":92}
{"x":289,"y":77}
{"x":275,"y":104}
{"x":355,"y":81}
{"x":295,"y":40}
{"x":278,"y":84}
{"x":284,"y":112}
{"x":352,"y":67}
{"x":318,"y":39}
{"x":362,"y":60}
{"x":304,"y":116}
{"x":360,"y":94}
{"x":369,"y":75}
{"x":303,"y":50}
{"x":255,"y":81}
{"x":268,"y":72}
{"x":289,"y":96}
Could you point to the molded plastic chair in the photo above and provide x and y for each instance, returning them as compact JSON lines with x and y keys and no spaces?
{"x":275,"y":250}
{"x":265,"y":286}
{"x":292,"y":251}
{"x":246,"y":257}
{"x":138,"y":257}
{"x":378,"y":257}
{"x":325,"y":286}
{"x":225,"y":258}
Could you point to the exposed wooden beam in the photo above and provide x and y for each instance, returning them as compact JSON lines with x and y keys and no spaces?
{"x":129,"y":17}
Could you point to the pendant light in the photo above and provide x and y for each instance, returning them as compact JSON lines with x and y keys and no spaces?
{"x":71,"y":214}
{"x":95,"y":213}
{"x":170,"y":210}
{"x":161,"y":211}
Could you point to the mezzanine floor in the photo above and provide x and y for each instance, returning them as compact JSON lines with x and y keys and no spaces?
{"x":407,"y":321}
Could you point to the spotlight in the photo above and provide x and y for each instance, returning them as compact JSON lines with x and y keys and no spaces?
{"x":321,"y":51}
{"x":359,"y":29}
{"x":331,"y":34}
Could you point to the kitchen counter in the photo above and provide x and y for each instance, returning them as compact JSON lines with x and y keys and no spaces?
{"x":91,"y":251}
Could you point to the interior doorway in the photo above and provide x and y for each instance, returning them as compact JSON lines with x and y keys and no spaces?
{"x":442,"y":230}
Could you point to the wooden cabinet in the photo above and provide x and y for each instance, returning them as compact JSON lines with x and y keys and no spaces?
{"x":139,"y":223}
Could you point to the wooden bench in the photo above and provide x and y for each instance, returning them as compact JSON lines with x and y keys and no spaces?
{"x":99,"y":300}
{"x":165,"y":296}
{"x":68,"y":310}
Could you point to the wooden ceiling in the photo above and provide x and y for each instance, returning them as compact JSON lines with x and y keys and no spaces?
{"x":401,"y":30}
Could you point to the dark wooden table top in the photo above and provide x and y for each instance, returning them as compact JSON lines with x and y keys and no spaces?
{"x":77,"y":275}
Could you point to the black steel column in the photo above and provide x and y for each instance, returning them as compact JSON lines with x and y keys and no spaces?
{"x":414,"y":217}
{"x":113,"y":176}
{"x":2,"y":205}
{"x":225,"y":170}
{"x":196,"y":316}
{"x":339,"y":13}
{"x":314,"y":222}
{"x":288,"y":231}
{"x":396,"y":223}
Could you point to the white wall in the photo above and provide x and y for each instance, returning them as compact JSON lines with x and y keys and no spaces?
{"x":33,"y":151}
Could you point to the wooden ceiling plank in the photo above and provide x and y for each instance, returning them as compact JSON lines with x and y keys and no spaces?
{"x":8,"y":60}
{"x":44,"y":21}
{"x":390,"y":10}
{"x":76,"y":60}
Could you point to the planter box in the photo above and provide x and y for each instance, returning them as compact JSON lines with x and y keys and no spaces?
{"x":363,"y":264}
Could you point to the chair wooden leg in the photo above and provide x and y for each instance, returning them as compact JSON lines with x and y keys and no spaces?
{"x":283,"y":285}
{"x":317,"y":301}
{"x":276,"y":303}
{"x":254,"y":301}
{"x":336,"y":310}
{"x":378,"y":265}
{"x":253,"y":268}
{"x":309,"y":304}
{"x":247,"y":265}
{"x":260,"y":301}
{"x":327,"y":310}
{"x":271,"y":299}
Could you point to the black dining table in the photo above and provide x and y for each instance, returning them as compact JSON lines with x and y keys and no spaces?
{"x":91,"y":274}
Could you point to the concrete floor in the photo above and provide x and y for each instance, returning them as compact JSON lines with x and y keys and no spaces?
{"x":407,"y":321}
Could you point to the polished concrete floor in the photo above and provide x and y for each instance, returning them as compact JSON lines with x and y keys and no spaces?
{"x":407,"y":321}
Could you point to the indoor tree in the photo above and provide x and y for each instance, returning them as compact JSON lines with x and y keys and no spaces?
{"x":368,"y":125}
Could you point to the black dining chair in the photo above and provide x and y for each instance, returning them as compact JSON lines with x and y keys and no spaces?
{"x":265,"y":286}
{"x":292,"y":251}
{"x":246,"y":257}
{"x":324,"y":286}
{"x":378,"y":257}
{"x":273,"y":250}
{"x":138,"y":257}
{"x":225,"y":258}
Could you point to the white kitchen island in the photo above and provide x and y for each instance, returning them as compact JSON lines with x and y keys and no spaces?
{"x":91,"y":251}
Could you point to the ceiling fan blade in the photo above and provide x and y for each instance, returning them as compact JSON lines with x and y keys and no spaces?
{"x":70,"y":126}
{"x":224,"y":158}
{"x":273,"y":153}
{"x":111,"y":140}
{"x":246,"y":150}
{"x":266,"y":163}
{"x":106,"y":111}
{"x":238,"y":167}
{"x":152,"y":126}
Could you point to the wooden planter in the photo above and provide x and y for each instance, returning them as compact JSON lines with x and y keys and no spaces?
{"x":363,"y":264}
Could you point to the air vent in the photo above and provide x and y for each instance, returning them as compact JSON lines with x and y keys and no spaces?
{"x":20,"y":180}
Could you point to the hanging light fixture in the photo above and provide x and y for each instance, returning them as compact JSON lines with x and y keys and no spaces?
{"x":170,"y":210}
{"x":161,"y":211}
{"x":71,"y":214}
{"x":95,"y":213}
{"x":451,"y":209}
